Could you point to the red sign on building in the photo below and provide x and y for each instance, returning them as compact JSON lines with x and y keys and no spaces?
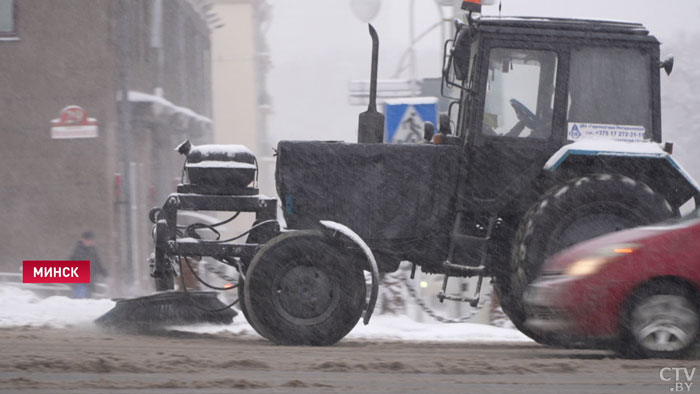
{"x":73,"y":122}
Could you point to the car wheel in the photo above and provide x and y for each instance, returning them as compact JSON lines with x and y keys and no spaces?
{"x":301,"y":289}
{"x":575,"y":211}
{"x":662,"y":320}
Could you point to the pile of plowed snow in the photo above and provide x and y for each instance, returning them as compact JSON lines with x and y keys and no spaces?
{"x":19,"y":308}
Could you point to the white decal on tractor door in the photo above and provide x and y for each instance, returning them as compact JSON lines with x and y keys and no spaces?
{"x":627,"y":133}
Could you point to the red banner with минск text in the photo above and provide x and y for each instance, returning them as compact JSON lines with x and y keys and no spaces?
{"x":55,"y":271}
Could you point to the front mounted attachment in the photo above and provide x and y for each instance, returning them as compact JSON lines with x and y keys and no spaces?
{"x":218,"y":178}
{"x":168,"y":244}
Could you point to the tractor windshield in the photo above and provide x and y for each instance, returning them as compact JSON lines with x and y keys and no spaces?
{"x":520,"y":93}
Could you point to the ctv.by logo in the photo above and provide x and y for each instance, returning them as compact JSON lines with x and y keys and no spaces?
{"x":683,"y":378}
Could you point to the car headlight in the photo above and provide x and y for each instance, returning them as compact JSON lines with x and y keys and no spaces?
{"x":593,"y":263}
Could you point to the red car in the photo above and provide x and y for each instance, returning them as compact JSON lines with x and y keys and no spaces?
{"x":637,"y":289}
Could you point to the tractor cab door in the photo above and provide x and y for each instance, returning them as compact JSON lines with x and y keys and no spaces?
{"x":514,"y":128}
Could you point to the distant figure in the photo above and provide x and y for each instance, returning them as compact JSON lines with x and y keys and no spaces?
{"x":85,"y":250}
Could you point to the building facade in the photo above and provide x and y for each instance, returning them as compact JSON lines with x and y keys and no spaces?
{"x":240,"y":63}
{"x":102,"y":172}
{"x":241,"y":104}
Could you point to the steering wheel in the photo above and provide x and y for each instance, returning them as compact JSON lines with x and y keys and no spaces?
{"x":526,"y":119}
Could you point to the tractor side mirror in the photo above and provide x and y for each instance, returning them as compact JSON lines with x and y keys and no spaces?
{"x":667,"y":65}
{"x":455,"y":61}
{"x":448,"y":77}
{"x":461,"y":53}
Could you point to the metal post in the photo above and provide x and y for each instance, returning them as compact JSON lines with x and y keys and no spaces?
{"x":124,"y":130}
{"x":412,"y":34}
{"x":162,"y":167}
{"x":157,"y":44}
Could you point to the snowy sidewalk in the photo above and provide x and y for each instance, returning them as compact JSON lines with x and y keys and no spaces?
{"x":19,"y":308}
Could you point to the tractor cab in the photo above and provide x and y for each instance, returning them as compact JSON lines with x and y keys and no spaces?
{"x":524,"y":87}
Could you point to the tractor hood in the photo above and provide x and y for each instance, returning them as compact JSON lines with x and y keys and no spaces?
{"x":380,"y":191}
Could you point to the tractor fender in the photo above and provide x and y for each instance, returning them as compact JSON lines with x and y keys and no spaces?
{"x":356,"y":239}
{"x":677,"y":185}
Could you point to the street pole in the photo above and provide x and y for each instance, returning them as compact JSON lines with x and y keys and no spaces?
{"x":412,"y":34}
{"x":124,"y":130}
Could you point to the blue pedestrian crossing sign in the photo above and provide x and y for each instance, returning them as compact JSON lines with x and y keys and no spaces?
{"x":404,"y":118}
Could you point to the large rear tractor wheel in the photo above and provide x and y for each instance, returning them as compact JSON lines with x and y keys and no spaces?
{"x":301,"y":289}
{"x":578,"y":210}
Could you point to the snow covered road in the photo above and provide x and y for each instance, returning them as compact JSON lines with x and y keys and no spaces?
{"x":51,"y":346}
{"x":87,"y":360}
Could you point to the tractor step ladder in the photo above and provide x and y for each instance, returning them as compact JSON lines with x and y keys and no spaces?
{"x":452,"y":269}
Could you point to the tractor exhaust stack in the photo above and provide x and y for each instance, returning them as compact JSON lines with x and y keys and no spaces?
{"x":371,"y":123}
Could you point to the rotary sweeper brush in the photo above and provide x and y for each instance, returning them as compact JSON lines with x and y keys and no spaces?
{"x":213,"y":174}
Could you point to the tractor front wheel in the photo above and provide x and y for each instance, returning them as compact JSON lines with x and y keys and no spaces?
{"x":575,"y":211}
{"x":241,"y":306}
{"x":302,"y":289}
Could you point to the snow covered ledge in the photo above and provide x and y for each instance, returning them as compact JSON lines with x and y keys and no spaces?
{"x":160,"y":108}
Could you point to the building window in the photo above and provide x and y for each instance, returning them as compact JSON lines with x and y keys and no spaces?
{"x":7,"y":18}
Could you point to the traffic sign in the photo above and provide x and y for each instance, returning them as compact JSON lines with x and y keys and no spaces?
{"x":404,"y":118}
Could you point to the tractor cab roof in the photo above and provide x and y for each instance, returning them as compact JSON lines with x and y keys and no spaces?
{"x":562,"y":27}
